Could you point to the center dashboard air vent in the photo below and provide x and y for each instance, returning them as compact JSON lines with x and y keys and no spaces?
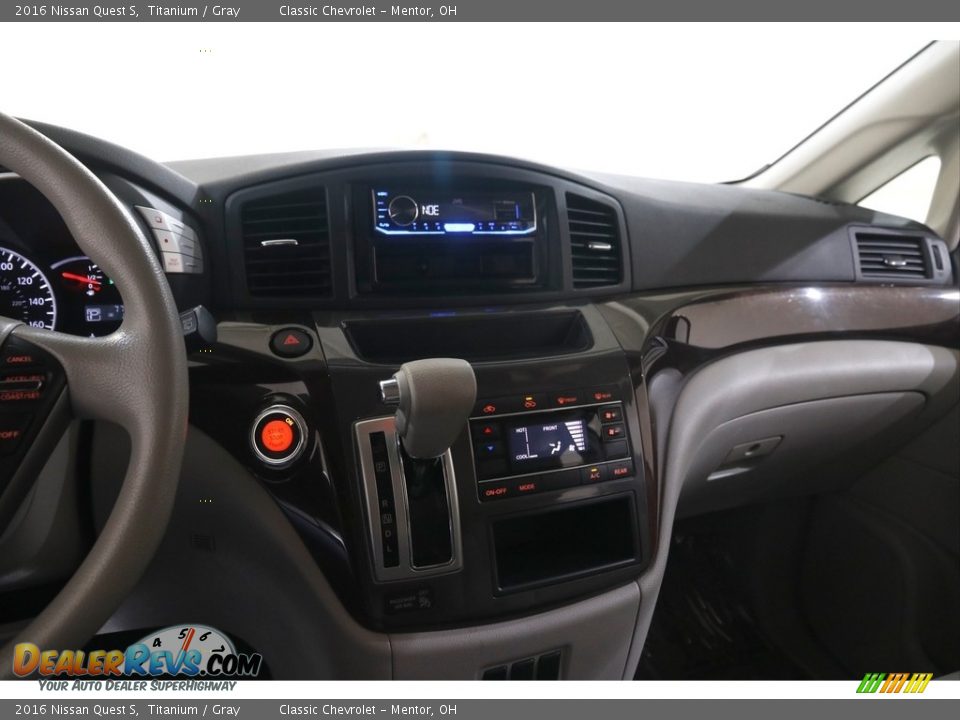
{"x":286,"y":244}
{"x":595,"y":243}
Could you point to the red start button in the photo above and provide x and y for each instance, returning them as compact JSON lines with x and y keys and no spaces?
{"x":277,"y":435}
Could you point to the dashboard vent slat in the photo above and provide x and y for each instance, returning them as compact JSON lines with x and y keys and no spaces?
{"x":595,"y":243}
{"x":890,"y":256}
{"x":288,"y":269}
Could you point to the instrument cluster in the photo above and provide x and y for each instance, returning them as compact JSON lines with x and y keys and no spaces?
{"x":71,"y":295}
{"x":45,"y":280}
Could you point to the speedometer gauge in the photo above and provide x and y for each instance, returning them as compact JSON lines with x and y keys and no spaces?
{"x":25,"y":292}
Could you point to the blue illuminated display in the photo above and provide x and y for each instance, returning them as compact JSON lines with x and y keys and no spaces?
{"x":433,"y":212}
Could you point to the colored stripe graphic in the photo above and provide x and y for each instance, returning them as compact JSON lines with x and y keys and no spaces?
{"x":894,"y":683}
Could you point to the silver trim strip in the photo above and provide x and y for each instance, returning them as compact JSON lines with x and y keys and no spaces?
{"x":406,"y":569}
{"x":279,"y":241}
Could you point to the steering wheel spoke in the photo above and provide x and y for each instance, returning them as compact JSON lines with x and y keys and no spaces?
{"x":33,"y":414}
{"x":98,"y":384}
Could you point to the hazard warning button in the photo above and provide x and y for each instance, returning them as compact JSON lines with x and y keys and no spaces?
{"x":290,"y":342}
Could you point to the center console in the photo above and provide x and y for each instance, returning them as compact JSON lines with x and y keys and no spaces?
{"x":541,"y":497}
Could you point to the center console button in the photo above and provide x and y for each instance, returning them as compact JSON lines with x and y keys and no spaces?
{"x":592,"y":474}
{"x":489,"y":449}
{"x":290,"y":343}
{"x":610,"y":413}
{"x":532,"y":402}
{"x":278,"y":436}
{"x":565,"y":398}
{"x":621,"y":469}
{"x":494,"y":491}
{"x":602,"y":394}
{"x":487,"y":431}
{"x":528,"y":486}
{"x":613,"y":432}
{"x":488,"y":407}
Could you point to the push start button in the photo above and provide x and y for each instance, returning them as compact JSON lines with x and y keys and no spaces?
{"x":278,"y":436}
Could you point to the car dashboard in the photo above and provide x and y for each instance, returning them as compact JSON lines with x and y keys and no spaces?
{"x":586,"y":305}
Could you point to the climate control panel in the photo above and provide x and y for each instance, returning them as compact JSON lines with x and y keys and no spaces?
{"x":538,"y":443}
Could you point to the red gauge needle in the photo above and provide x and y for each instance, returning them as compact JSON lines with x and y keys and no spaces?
{"x":81,"y":278}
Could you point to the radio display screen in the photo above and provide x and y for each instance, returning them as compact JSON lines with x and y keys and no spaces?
{"x":551,"y":442}
{"x":451,"y":212}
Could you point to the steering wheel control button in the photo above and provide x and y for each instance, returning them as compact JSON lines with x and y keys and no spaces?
{"x":278,"y":436}
{"x":290,"y":343}
{"x":11,"y":432}
{"x":14,"y":358}
{"x":21,"y":386}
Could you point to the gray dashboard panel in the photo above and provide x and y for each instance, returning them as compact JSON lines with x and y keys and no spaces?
{"x":779,"y":377}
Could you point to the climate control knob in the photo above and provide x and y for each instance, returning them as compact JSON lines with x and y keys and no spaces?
{"x":278,"y":436}
{"x":403,"y":210}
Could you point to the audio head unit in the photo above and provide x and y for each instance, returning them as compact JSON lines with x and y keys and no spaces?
{"x":425,"y":211}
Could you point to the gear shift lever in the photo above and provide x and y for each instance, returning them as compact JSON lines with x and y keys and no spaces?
{"x":434,"y":398}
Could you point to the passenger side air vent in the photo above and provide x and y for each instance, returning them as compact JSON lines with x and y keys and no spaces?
{"x":594,"y":243}
{"x":286,"y":245}
{"x":886,"y":255}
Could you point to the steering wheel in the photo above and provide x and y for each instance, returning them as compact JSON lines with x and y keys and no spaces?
{"x":135,"y":378}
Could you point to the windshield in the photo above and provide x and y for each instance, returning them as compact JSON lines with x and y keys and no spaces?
{"x":711,"y":104}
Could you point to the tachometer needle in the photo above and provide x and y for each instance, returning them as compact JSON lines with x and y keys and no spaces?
{"x":81,"y":278}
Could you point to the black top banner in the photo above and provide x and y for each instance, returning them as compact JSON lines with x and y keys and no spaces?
{"x":485,"y":11}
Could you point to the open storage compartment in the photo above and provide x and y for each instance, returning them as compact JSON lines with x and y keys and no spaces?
{"x":471,"y":337}
{"x":563,"y":544}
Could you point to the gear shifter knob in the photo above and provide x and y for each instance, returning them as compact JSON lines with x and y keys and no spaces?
{"x":434,"y":398}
